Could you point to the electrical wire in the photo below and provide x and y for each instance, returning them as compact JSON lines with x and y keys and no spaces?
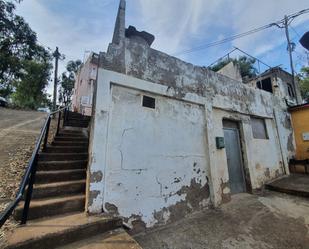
{"x":238,"y":36}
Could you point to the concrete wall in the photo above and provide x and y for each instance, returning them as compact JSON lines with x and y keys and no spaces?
{"x":300,"y":120}
{"x":232,"y":71}
{"x":155,"y":166}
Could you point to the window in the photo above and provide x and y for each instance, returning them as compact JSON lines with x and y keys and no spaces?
{"x":290,"y":90}
{"x":149,"y":102}
{"x":265,"y":85}
{"x":259,"y":130}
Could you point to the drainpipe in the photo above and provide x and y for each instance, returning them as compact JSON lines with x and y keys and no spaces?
{"x":280,"y":145}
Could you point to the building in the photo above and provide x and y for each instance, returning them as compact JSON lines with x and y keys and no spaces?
{"x":84,"y":86}
{"x":300,"y":122}
{"x":169,"y":138}
{"x":279,"y":82}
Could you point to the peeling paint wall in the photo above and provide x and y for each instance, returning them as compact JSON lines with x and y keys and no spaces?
{"x":154,"y":171}
{"x":152,"y":166}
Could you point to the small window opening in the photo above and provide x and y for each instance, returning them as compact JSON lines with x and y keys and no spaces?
{"x":259,"y":130}
{"x":265,"y":85}
{"x":149,"y":102}
{"x":291,"y":91}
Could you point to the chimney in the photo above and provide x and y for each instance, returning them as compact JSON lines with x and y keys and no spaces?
{"x":119,"y":31}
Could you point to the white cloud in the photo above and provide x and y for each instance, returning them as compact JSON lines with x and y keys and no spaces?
{"x":177,"y":24}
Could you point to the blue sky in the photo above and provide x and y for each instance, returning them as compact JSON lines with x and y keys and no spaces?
{"x":77,"y":26}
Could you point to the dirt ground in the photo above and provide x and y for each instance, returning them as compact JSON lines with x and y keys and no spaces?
{"x":268,"y":221}
{"x":18,"y":133}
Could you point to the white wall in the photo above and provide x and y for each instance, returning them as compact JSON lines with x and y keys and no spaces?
{"x":152,"y":153}
{"x":158,"y":165}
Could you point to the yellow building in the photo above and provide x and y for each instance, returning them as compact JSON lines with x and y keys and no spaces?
{"x":300,"y":121}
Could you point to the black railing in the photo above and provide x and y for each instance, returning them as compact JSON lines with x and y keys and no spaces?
{"x":26,"y":185}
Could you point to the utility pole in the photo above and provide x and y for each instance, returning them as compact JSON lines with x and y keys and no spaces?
{"x":56,"y":55}
{"x":286,"y":27}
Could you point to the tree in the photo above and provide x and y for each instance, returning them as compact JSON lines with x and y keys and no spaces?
{"x":246,"y":66}
{"x":24,"y":65}
{"x":67,"y":81}
{"x":29,"y":88}
{"x":304,"y":83}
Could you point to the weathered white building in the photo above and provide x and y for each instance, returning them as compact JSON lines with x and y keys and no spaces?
{"x":168,"y":138}
{"x":84,"y":86}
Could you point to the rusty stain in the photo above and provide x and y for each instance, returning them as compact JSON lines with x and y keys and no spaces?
{"x":111,"y":208}
{"x":96,"y":177}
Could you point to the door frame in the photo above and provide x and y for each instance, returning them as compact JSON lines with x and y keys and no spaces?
{"x":242,"y":149}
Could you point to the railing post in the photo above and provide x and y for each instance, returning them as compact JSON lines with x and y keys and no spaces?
{"x":58,"y":125}
{"x":65,"y":118}
{"x":46,"y":134}
{"x":29,"y":193}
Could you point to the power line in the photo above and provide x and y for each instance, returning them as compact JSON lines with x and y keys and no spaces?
{"x":250,"y":32}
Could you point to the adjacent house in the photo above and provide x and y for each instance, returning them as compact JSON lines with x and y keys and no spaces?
{"x":84,"y":86}
{"x":168,"y":138}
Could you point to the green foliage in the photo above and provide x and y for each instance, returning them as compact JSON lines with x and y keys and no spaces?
{"x":304,"y":83}
{"x":67,"y":81}
{"x":246,"y":66}
{"x":24,"y":65}
{"x":29,"y":88}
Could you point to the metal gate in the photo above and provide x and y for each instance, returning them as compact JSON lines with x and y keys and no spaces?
{"x":234,"y":160}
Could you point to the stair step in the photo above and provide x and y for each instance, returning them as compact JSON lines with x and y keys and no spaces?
{"x":61,"y":165}
{"x":43,"y":177}
{"x":62,"y":156}
{"x":40,"y":208}
{"x":60,"y":138}
{"x":58,"y":231}
{"x":66,"y":149}
{"x":70,"y":143}
{"x":84,"y":125}
{"x":115,"y":239}
{"x":62,"y":134}
{"x":58,"y":189}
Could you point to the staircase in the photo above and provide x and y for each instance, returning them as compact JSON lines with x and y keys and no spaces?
{"x":56,"y":214}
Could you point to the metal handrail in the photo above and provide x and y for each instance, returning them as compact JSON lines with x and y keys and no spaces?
{"x":29,"y":177}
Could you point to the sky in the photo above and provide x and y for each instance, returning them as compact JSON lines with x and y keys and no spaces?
{"x":80,"y":26}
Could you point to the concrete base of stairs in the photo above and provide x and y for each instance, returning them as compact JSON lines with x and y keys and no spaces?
{"x":116,"y":239}
{"x":294,"y":184}
{"x":54,"y":232}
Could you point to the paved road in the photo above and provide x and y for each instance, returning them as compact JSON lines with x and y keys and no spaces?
{"x":18,"y":132}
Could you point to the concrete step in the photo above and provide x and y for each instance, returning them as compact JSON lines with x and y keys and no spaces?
{"x":70,"y":143}
{"x":43,"y":177}
{"x":115,"y":239}
{"x":66,"y":149}
{"x":58,"y":231}
{"x":294,"y":184}
{"x":77,"y":124}
{"x":40,"y":208}
{"x":61,"y":165}
{"x":59,"y":189}
{"x":63,"y":138}
{"x":65,"y":134}
{"x":62,"y":156}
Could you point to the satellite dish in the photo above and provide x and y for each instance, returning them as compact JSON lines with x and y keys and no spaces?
{"x":304,"y":41}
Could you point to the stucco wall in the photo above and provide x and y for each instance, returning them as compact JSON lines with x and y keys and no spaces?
{"x":156,"y":158}
{"x":126,"y":174}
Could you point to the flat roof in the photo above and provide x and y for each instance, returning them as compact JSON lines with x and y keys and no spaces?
{"x":298,"y":107}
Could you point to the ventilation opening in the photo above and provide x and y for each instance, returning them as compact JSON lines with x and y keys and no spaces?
{"x":149,"y":102}
{"x":265,"y":85}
